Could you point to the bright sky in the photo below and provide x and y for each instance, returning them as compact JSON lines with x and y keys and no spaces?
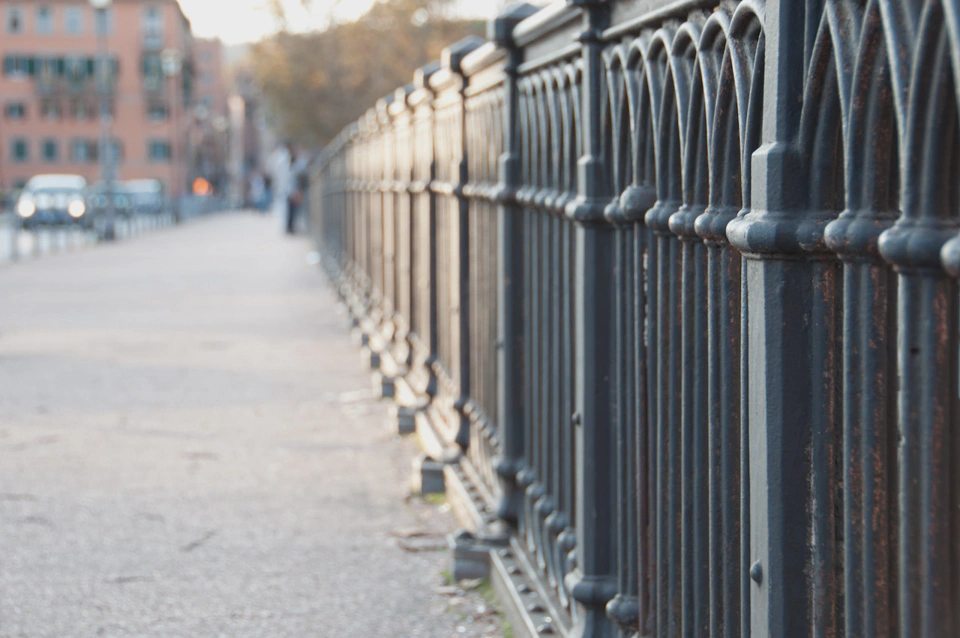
{"x":235,"y":21}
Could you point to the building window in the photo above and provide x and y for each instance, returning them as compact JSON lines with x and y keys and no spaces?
{"x":18,"y":66}
{"x":83,"y":151}
{"x":159,"y":151}
{"x":157,"y":112}
{"x":44,"y":19}
{"x":152,"y":18}
{"x":152,"y":72}
{"x":15,"y":19}
{"x":73,"y":20}
{"x":81,"y":110}
{"x":50,"y":109}
{"x":77,"y":70}
{"x":115,"y":151}
{"x":95,"y":69}
{"x":51,"y":151}
{"x":104,"y":21}
{"x":152,"y":26}
{"x":47,"y":69}
{"x":16,"y":110}
{"x":19,"y":150}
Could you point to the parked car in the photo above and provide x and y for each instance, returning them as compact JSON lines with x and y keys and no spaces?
{"x":122,"y":203}
{"x":146,"y":196}
{"x":54,"y":200}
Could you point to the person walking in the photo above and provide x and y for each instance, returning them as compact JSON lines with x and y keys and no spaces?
{"x":298,"y":186}
{"x":258,"y":191}
{"x":280,"y":183}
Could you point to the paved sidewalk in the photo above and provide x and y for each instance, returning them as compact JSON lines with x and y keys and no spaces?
{"x":188,"y":448}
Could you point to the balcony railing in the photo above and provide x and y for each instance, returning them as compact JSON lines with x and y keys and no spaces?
{"x":153,"y":83}
{"x":48,"y":85}
{"x":69,"y":86}
{"x":152,"y":40}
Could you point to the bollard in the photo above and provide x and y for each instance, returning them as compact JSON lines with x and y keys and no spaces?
{"x":14,"y":227}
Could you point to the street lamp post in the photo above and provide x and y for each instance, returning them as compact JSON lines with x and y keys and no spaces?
{"x":107,"y":169}
{"x":171,"y":61}
{"x":221,"y":146}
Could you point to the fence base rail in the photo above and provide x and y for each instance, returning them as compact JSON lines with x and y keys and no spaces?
{"x":525,"y":601}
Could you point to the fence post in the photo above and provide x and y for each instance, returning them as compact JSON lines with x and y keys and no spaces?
{"x":593,"y":583}
{"x":792,"y":329}
{"x":401,"y":206}
{"x":387,"y":217}
{"x":423,"y":253}
{"x":459,"y":299}
{"x":373,"y":171}
{"x":510,"y":338}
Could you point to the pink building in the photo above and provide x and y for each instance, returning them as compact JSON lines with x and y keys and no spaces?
{"x":211,"y":92}
{"x":49,"y":89}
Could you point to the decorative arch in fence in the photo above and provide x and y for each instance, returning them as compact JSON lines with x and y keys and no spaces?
{"x":670,"y":288}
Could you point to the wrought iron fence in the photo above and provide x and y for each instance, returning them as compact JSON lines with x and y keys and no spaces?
{"x":675,"y":283}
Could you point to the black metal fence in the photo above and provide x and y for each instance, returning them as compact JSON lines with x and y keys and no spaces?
{"x":677,"y":278}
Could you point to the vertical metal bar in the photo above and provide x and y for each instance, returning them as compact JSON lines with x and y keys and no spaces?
{"x":566,"y":543}
{"x":554,"y":201}
{"x":666,"y":264}
{"x":638,"y":198}
{"x":534,"y":334}
{"x":403,"y":203}
{"x":540,"y":495}
{"x":869,"y":349}
{"x":566,"y":518}
{"x":618,"y":154}
{"x":385,"y":187}
{"x":510,"y":289}
{"x":645,"y":443}
{"x":593,"y":582}
{"x":735,"y":136}
{"x":693,"y":362}
{"x":555,"y":523}
{"x":929,"y":495}
{"x":429,"y":252}
{"x":746,"y":511}
{"x":464,"y":294}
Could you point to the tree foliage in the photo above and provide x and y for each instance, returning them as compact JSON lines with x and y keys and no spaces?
{"x":316,"y":83}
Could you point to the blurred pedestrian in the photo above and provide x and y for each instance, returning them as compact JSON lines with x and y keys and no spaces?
{"x":279,"y":162}
{"x":297,"y":185}
{"x":267,"y":194}
{"x":258,"y":191}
